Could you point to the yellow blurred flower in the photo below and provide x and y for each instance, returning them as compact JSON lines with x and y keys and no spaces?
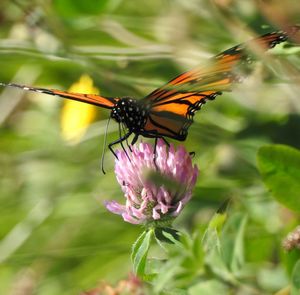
{"x":77,"y":116}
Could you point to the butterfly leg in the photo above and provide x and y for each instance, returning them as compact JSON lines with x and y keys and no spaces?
{"x":166,"y":142}
{"x":136,"y":136}
{"x":155,"y":145}
{"x":124,"y":130}
{"x":120,"y":136}
{"x":120,"y":140}
{"x":154,"y":153}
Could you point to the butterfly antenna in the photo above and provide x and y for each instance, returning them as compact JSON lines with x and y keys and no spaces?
{"x":104,"y":146}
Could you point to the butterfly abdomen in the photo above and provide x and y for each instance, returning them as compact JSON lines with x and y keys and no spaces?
{"x":130,"y":112}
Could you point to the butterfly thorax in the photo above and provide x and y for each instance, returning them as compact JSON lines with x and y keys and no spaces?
{"x":130,"y":112}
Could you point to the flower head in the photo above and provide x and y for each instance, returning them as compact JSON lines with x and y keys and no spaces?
{"x":292,"y":241}
{"x":154,"y":190}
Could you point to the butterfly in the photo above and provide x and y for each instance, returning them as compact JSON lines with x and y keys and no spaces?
{"x":168,"y":111}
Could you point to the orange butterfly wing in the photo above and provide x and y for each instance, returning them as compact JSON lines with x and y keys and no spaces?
{"x":97,"y":100}
{"x":173,"y":106}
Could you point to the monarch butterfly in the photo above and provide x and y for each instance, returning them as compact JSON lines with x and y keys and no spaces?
{"x":169,"y":110}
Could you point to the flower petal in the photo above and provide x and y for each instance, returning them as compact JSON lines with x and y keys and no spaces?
{"x":148,"y":200}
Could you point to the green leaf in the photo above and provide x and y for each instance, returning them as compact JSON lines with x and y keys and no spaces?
{"x":211,"y":235}
{"x":233,"y":241}
{"x":167,"y":234}
{"x":211,"y":287}
{"x":139,"y":252}
{"x":296,"y":277}
{"x":71,"y":8}
{"x":166,"y":274}
{"x":212,"y":248}
{"x":290,"y":259}
{"x":279,"y":166}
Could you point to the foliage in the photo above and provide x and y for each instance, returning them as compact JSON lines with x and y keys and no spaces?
{"x":56,"y":235}
{"x":280,"y":168}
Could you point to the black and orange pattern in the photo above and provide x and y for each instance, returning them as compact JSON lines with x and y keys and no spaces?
{"x":169,"y":110}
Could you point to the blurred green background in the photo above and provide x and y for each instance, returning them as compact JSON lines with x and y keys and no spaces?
{"x":56,"y":236}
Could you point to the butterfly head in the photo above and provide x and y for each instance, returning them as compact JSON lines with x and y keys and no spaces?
{"x":130,"y":112}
